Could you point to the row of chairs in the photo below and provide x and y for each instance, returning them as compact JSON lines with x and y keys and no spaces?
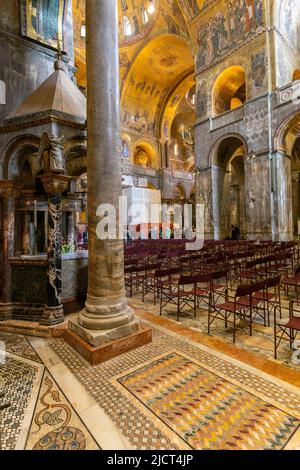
{"x":190,"y":282}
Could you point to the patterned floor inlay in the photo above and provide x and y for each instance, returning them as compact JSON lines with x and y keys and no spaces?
{"x":17,"y":378}
{"x":277,"y":403}
{"x":55,"y":425}
{"x":18,"y":345}
{"x":205,"y":410}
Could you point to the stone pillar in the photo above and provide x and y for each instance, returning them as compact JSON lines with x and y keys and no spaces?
{"x":217,"y":181}
{"x":282,"y":201}
{"x":258,"y":196}
{"x":71,"y":232}
{"x":54,"y":184}
{"x":106,"y":315}
{"x":296,"y":200}
{"x":204,"y":195}
{"x":9,"y":191}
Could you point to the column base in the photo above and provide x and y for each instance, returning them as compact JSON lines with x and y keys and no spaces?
{"x":97,"y":355}
{"x":52,"y":315}
{"x":5,"y":311}
{"x":98,"y":338}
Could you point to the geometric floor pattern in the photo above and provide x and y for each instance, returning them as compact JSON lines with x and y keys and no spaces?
{"x":141,"y":417}
{"x":207,"y":411}
{"x":170,"y":394}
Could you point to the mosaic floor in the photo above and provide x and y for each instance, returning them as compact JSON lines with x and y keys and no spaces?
{"x":174,"y":393}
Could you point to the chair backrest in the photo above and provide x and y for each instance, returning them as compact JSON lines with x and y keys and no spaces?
{"x":273,"y":281}
{"x":219,"y":274}
{"x":244,"y":290}
{"x":205,"y":277}
{"x":297,"y":269}
{"x":184,"y":280}
{"x":166,"y":272}
{"x":258,"y":286}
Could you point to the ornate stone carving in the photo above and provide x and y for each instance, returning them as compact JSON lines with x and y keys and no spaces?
{"x":228,"y":118}
{"x":51,"y":153}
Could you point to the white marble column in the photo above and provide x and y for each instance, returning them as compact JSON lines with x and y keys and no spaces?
{"x":106,"y":315}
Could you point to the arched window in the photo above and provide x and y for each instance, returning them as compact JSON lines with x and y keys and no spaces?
{"x":229,"y":91}
{"x":127,"y":29}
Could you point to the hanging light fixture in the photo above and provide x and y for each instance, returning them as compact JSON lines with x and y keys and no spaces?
{"x":151,"y":7}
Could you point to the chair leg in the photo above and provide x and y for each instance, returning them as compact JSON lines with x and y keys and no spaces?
{"x":234,"y":326}
{"x":160,"y":304}
{"x":208,"y":325}
{"x":275,"y":342}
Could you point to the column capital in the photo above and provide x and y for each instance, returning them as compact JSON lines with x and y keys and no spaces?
{"x":55,"y":182}
{"x":10,"y":188}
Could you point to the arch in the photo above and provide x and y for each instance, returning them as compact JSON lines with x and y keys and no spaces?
{"x":156,"y":69}
{"x":229,"y":90}
{"x":235,"y":139}
{"x":144,"y":154}
{"x":227,"y":160}
{"x":286,"y":133}
{"x":17,"y":152}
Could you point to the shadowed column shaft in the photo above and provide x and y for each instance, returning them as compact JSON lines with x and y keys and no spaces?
{"x":106,"y":305}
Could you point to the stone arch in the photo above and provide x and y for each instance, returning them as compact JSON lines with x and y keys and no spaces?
{"x":236,"y":139}
{"x":19,"y":151}
{"x":287,"y":165}
{"x":228,"y":184}
{"x":287,"y":132}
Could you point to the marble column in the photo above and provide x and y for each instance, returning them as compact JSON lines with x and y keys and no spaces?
{"x":54,"y":184}
{"x":106,"y":315}
{"x":258,"y":187}
{"x":71,"y":229}
{"x":9,"y":190}
{"x":282,"y":200}
{"x":204,"y":195}
{"x":296,"y":200}
{"x":218,"y":183}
